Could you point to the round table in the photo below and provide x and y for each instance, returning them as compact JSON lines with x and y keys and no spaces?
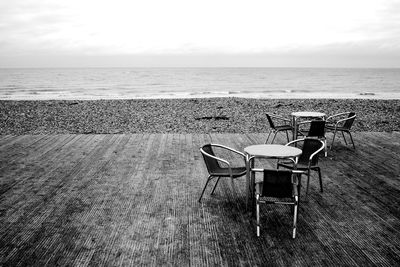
{"x":273,"y":151}
{"x":309,"y":114}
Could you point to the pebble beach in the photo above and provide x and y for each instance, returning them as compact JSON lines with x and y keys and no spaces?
{"x":198,"y":115}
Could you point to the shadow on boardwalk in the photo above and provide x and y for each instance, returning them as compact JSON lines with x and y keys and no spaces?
{"x":109,"y":200}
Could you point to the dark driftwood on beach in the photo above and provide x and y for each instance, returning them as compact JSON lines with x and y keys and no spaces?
{"x":131,"y":199}
{"x":228,"y":115}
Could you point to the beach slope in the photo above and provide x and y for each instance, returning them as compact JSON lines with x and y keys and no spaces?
{"x":201,"y":115}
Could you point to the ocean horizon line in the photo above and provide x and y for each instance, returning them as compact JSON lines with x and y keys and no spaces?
{"x":197,"y":67}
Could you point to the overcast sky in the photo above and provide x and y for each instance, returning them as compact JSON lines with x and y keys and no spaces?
{"x":229,"y":33}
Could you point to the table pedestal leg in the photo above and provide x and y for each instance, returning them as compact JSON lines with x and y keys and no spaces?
{"x":252,"y":188}
{"x":247,"y":181}
{"x":250,"y":179}
{"x":294,"y":124}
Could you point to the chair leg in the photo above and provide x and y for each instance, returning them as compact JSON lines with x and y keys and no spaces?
{"x":345,"y":141}
{"x":274,"y":137}
{"x":233,"y":187}
{"x":333,"y":139}
{"x":351,"y":138}
{"x":215,"y":186}
{"x":308,"y":183}
{"x":296,"y":198}
{"x":320,"y":179}
{"x":204,"y":188}
{"x":299,"y":184}
{"x":258,"y":214}
{"x":266,"y":141}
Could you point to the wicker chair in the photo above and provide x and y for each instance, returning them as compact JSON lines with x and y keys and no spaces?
{"x":284,"y":126}
{"x":215,"y":170}
{"x":341,"y":122}
{"x":278,"y":187}
{"x":315,"y":130}
{"x":308,"y":160}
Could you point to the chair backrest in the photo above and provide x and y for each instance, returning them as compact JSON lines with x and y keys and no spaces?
{"x":348,"y":123}
{"x":310,"y":146}
{"x":271,"y":123}
{"x":211,"y":163}
{"x":317,"y":128}
{"x":277,"y":183}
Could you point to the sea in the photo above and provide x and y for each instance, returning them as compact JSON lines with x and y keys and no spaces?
{"x":155,"y":83}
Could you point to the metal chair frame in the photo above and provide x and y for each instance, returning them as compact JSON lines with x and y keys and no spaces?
{"x":315,"y":131}
{"x":227,"y":171}
{"x":278,"y":128}
{"x":312,"y":163}
{"x":294,"y":199}
{"x":341,"y":125}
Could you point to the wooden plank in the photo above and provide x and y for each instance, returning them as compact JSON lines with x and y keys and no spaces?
{"x":131,"y":199}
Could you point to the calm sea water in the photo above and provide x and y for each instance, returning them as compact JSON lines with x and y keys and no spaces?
{"x":116,"y":83}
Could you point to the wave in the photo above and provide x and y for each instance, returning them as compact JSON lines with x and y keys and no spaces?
{"x":216,"y":82}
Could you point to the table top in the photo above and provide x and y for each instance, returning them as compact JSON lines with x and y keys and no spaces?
{"x":308,"y":114}
{"x":273,"y":151}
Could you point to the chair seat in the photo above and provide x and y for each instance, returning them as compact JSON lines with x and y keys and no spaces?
{"x":259,"y":189}
{"x":332,"y":127}
{"x":307,"y":134}
{"x":299,"y":165}
{"x":283,"y":128}
{"x":236,"y":172}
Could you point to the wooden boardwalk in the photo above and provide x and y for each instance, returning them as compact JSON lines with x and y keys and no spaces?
{"x":131,"y":199}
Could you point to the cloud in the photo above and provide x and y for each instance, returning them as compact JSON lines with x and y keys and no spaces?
{"x":188,"y":28}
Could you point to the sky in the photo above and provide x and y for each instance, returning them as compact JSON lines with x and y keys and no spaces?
{"x":201,"y":33}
